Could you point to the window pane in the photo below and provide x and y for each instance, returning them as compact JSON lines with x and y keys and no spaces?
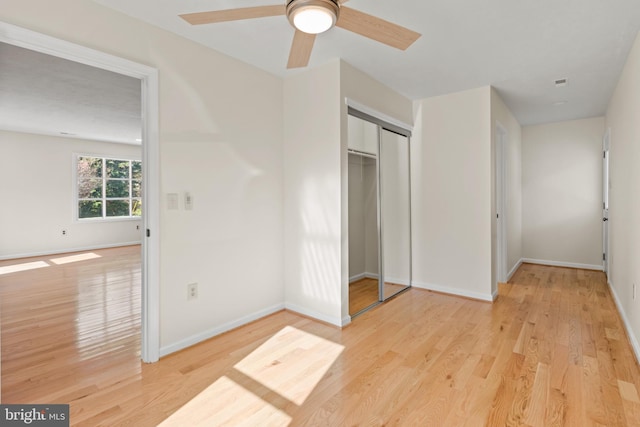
{"x":136,"y":188}
{"x":117,"y":208}
{"x":117,"y":168}
{"x":89,"y":167}
{"x":136,"y":170}
{"x":90,"y":189}
{"x":116,"y":188}
{"x":90,"y":209}
{"x":136,"y":208}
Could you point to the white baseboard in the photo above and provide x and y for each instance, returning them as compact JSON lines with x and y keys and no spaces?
{"x":456,"y":291}
{"x":346,"y":320}
{"x":627,"y":324}
{"x":337,"y":321}
{"x":356,"y":277}
{"x":397,"y":281}
{"x":514,"y":269}
{"x":195,"y":339}
{"x":68,"y":250}
{"x":362,"y":276}
{"x":563,"y":264}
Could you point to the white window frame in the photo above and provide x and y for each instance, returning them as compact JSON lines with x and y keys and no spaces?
{"x":104,"y":217}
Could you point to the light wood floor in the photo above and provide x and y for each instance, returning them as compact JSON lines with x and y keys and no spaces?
{"x":550,"y":352}
{"x":70,"y":324}
{"x":364,"y":292}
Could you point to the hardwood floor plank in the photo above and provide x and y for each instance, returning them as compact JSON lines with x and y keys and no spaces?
{"x":556,"y":408}
{"x":575,"y":415}
{"x":592,"y":393}
{"x":535,"y":412}
{"x":612,"y":400}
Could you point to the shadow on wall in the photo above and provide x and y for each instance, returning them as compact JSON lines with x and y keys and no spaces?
{"x":320,"y":270}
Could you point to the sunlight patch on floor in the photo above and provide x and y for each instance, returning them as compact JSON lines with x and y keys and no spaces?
{"x":74,"y":258}
{"x":225,"y":403}
{"x":259,"y":390}
{"x":291,"y":363}
{"x":22,"y":267}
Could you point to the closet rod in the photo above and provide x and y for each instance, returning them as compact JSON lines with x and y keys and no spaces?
{"x":362,"y":153}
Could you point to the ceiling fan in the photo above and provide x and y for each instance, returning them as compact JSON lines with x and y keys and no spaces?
{"x":311,"y":17}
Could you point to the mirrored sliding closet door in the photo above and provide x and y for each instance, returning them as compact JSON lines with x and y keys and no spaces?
{"x":395,"y":213}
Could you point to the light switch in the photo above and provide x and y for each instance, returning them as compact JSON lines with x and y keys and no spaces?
{"x":172,"y":201}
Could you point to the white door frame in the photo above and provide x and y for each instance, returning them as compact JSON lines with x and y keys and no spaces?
{"x":606,"y":145}
{"x":150,"y":317}
{"x":501,"y":201}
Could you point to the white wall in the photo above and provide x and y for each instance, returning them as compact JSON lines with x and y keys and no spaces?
{"x":316,"y":176}
{"x":624,"y":197}
{"x":562,"y":192}
{"x":221,"y":126}
{"x":451,"y":193}
{"x":39,"y":189}
{"x":312,"y":202}
{"x":500,"y":114}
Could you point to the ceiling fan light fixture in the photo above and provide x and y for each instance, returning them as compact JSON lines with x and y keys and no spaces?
{"x":313,"y":16}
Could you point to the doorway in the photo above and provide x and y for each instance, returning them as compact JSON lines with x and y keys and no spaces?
{"x":150,"y":324}
{"x":500,"y":200}
{"x":606,"y":145}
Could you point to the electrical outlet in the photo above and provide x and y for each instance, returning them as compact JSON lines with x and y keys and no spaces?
{"x":192,"y":291}
{"x":64,"y":232}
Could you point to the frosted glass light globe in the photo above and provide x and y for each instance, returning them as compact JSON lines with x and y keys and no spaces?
{"x":313,"y":19}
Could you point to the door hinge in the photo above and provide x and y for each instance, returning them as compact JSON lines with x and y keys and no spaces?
{"x":604,"y":257}
{"x":148,"y":233}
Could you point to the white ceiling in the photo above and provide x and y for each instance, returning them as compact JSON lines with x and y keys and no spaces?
{"x":518,"y":46}
{"x":45,"y":94}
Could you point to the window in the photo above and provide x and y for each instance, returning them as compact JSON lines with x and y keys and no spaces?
{"x":108,"y":188}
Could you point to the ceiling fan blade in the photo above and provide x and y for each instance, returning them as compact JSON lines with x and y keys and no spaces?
{"x":233,"y":14}
{"x":300,"y":49}
{"x":376,"y":28}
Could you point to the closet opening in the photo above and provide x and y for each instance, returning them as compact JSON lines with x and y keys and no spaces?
{"x":379,"y":206}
